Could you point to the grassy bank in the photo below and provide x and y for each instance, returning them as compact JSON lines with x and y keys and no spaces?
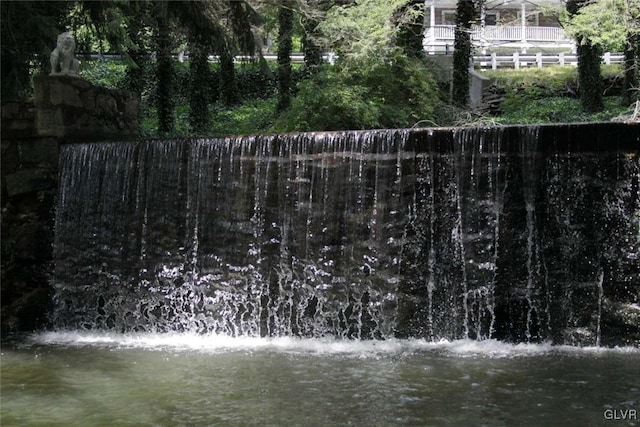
{"x":551,"y":95}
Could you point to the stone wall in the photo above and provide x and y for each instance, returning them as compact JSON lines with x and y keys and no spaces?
{"x":74,"y":109}
{"x":64,"y":110}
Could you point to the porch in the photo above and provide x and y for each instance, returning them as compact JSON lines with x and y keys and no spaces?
{"x":505,"y":26}
{"x":440,"y":38}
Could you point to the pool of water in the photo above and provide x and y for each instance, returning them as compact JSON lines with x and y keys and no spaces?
{"x":83,"y":379}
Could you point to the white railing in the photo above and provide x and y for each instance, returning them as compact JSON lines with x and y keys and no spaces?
{"x":441,"y":32}
{"x":492,"y":61}
{"x":534,"y":34}
{"x":499,"y":33}
{"x":539,"y":60}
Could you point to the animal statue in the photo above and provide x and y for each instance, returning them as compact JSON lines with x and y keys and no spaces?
{"x":63,"y":62}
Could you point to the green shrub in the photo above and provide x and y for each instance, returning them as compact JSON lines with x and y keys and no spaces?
{"x":379,"y":95}
{"x":250,"y":117}
{"x":110,"y":74}
{"x":328,"y":102}
{"x":555,"y":110}
{"x":548,"y":95}
{"x":548,"y":80}
{"x":254,"y":80}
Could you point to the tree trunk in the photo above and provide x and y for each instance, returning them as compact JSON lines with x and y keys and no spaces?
{"x":228,"y":83}
{"x":198,"y":93}
{"x":589,"y":75}
{"x":285,"y":21}
{"x":631,"y":54}
{"x":165,"y":75}
{"x":462,"y":53}
{"x":135,"y":70}
{"x":312,"y":52}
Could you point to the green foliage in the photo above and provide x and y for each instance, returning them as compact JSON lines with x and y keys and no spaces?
{"x":554,"y":78}
{"x":253,"y":80}
{"x":365,"y":30}
{"x":256,"y":89}
{"x":329,"y":101}
{"x":604,"y":23}
{"x":396,"y":94}
{"x":111,"y":74}
{"x":548,"y":95}
{"x":102,"y":26}
{"x":589,"y":58}
{"x":228,"y":87}
{"x":555,"y":110}
{"x":28,"y":31}
{"x":250,"y":117}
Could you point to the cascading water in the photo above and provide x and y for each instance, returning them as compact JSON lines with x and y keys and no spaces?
{"x":524,"y":234}
{"x":253,"y":236}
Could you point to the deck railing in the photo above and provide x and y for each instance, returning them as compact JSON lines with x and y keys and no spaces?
{"x":500,"y":33}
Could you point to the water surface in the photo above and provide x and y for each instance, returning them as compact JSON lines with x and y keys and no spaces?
{"x":82,"y":379}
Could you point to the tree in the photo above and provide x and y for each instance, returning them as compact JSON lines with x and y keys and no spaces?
{"x":285,"y":21}
{"x":310,"y":20}
{"x":222,"y":27}
{"x":28,"y":31}
{"x":199,"y":116}
{"x":138,"y":32}
{"x":608,"y":25}
{"x":165,"y":99}
{"x":374,"y":83}
{"x":589,"y":58}
{"x":465,"y":15}
{"x":239,"y":19}
{"x":366,"y":31}
{"x":228,"y":83}
{"x":410,"y":23}
{"x":631,"y":69}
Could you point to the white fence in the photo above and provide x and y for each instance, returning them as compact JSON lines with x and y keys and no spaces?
{"x":493,"y":61}
{"x":539,"y":60}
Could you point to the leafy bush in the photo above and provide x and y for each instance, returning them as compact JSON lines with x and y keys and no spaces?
{"x":109,"y":74}
{"x":328,"y":102}
{"x":256,"y":86}
{"x":548,"y":80}
{"x":548,"y":95}
{"x":556,"y":110}
{"x":255,"y":81}
{"x":393,"y":94}
{"x":250,"y":117}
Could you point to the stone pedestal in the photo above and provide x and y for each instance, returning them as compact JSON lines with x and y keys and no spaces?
{"x":73,"y":109}
{"x":65,"y":109}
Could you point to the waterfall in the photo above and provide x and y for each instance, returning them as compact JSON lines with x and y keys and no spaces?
{"x":515,"y":233}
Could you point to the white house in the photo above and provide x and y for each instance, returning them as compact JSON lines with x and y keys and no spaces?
{"x":505,"y":26}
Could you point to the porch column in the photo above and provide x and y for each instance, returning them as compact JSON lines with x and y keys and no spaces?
{"x":523,"y":25}
{"x":432,"y":26}
{"x":483,"y":24}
